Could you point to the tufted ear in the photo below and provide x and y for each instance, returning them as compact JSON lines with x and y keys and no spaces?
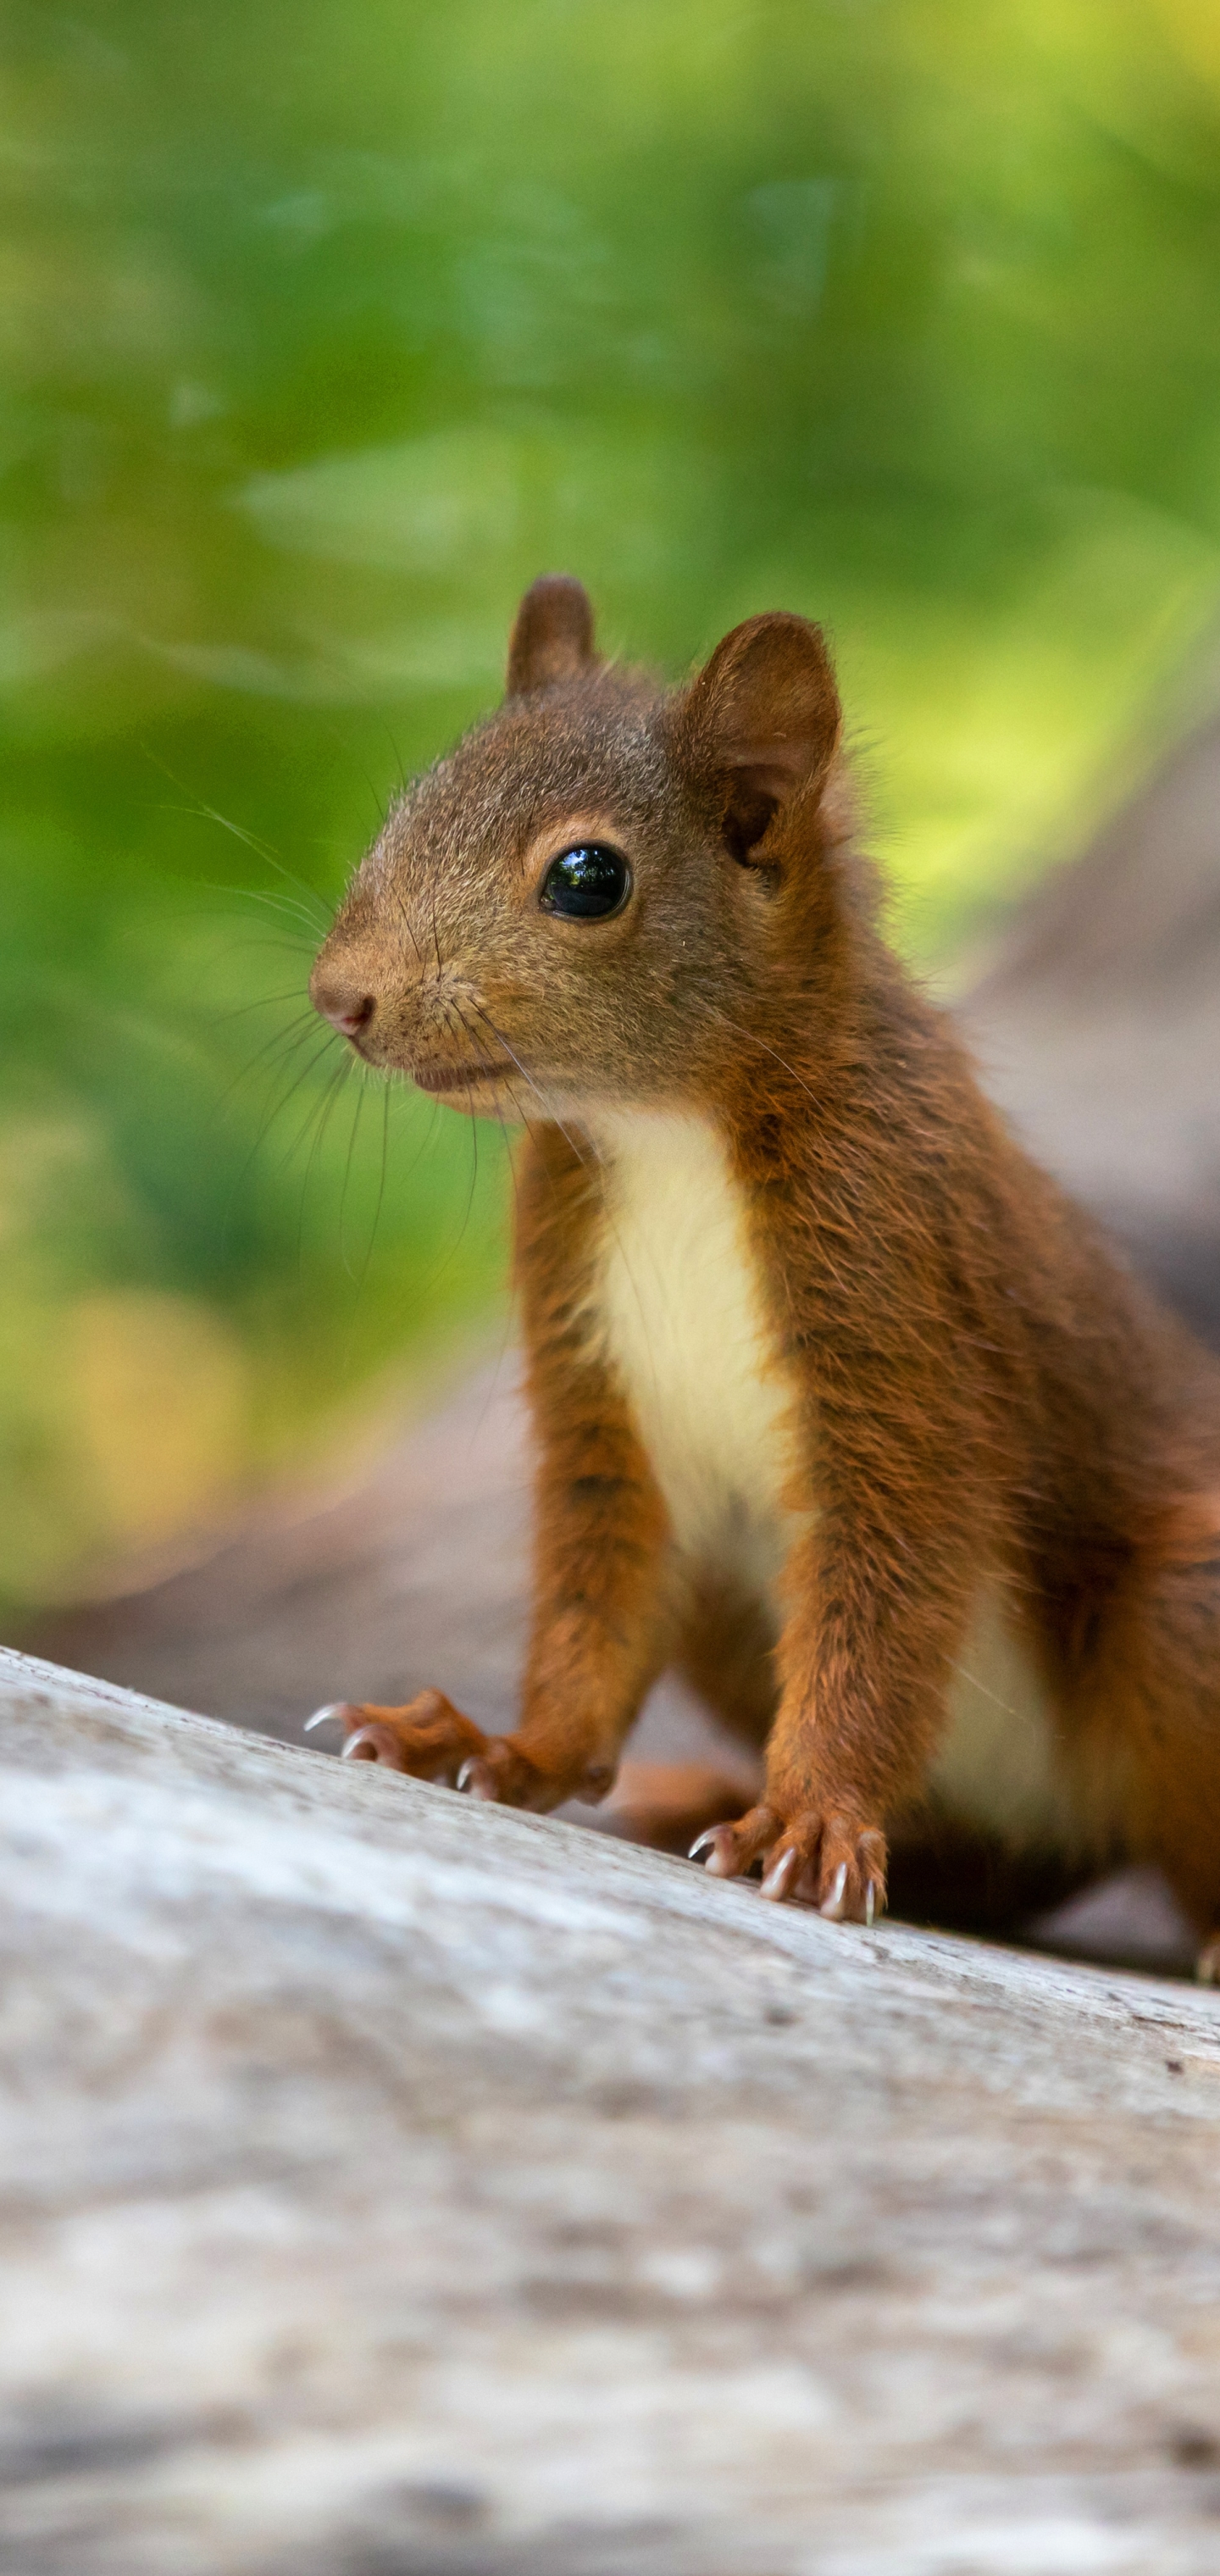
{"x":552,"y":637}
{"x":763,"y":718}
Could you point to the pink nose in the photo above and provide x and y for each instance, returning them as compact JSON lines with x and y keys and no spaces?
{"x":347,"y":1011}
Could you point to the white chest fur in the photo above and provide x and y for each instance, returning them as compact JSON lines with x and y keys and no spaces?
{"x":677,"y":1310}
{"x":676,"y":1306}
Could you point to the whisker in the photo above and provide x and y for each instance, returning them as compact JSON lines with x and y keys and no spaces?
{"x":291,"y":1039}
{"x":506,"y":1335}
{"x":571,"y":1141}
{"x":752,"y":1036}
{"x":501,"y":1040}
{"x":317,"y":902}
{"x":385,"y":1147}
{"x":307,"y":1069}
{"x":312,"y":1116}
{"x":281,"y":904}
{"x":332,"y":1094}
{"x":291,"y":992}
{"x":993,"y":1696}
{"x":361,"y":1097}
{"x":400,"y":900}
{"x":267,"y":1125}
{"x":211,"y":814}
{"x":380,"y":805}
{"x":398,"y":758}
{"x":473,"y":1124}
{"x":429,"y":1134}
{"x":253,"y":937}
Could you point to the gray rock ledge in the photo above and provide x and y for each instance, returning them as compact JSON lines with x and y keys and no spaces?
{"x":394,"y":2186}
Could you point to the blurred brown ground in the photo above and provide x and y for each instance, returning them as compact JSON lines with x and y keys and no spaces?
{"x":1096,"y":1022}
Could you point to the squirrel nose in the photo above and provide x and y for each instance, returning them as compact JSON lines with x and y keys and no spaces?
{"x":347,"y":1011}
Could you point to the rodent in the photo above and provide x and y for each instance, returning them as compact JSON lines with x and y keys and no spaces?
{"x":842,"y":1407}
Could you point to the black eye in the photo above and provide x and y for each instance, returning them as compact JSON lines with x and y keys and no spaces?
{"x":586,"y":883}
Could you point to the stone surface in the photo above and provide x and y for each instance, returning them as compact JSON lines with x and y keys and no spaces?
{"x":396,"y":2186}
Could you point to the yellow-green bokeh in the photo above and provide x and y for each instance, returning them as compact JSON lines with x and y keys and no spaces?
{"x":322,"y":330}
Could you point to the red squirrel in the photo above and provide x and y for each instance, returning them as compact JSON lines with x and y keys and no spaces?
{"x":842,"y":1408}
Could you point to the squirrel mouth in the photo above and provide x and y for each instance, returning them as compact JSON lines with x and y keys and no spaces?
{"x":440,"y":1078}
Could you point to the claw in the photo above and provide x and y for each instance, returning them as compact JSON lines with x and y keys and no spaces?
{"x":374,"y":1743}
{"x":870,"y":1903}
{"x":779,"y":1879}
{"x":719,"y":1863}
{"x":833,"y":1907}
{"x":475,"y":1779}
{"x":334,"y":1710}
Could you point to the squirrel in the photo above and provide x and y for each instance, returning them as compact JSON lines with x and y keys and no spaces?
{"x":842,"y":1408}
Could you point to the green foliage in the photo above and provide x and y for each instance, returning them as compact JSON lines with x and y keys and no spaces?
{"x":325,"y":329}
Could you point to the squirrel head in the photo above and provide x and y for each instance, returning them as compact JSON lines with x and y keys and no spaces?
{"x":567,"y":910}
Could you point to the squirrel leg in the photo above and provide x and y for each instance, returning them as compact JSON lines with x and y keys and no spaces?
{"x":860,"y":1706}
{"x":602,"y":1620}
{"x":602,"y":1626}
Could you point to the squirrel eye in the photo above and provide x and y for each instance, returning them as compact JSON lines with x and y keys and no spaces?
{"x":586,"y":883}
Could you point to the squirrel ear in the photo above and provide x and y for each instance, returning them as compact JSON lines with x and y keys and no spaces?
{"x":763,"y":716}
{"x":552,"y":637}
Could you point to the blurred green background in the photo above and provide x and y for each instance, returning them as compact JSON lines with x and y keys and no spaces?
{"x":325,"y":328}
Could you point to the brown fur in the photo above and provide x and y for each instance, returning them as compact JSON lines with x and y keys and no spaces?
{"x":981,"y":1389}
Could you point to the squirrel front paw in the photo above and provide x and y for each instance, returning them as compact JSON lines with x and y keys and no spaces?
{"x":833,"y":1861}
{"x":431,"y":1740}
